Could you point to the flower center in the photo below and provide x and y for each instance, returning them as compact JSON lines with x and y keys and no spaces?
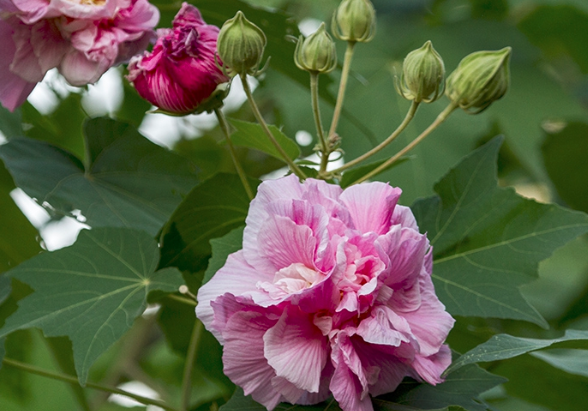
{"x":89,"y":2}
{"x":296,"y":277}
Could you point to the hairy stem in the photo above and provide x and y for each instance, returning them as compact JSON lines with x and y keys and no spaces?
{"x":222,"y":121}
{"x":187,"y":380}
{"x":71,"y":379}
{"x":440,"y":119}
{"x":316,"y":110}
{"x":295,"y":169}
{"x":342,"y":88}
{"x":391,"y":138}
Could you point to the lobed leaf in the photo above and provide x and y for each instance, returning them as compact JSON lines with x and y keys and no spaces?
{"x":221,"y":248}
{"x":488,"y":240}
{"x":91,"y":291}
{"x":503,"y":346}
{"x":128,"y":181}
{"x":572,"y":361}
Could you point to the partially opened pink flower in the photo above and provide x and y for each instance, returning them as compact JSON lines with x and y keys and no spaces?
{"x":181,"y":71}
{"x":82,"y":39}
{"x":331,"y":293}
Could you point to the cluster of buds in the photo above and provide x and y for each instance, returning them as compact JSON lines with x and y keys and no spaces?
{"x":480,"y":78}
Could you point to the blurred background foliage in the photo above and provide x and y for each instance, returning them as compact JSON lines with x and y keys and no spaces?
{"x":544,"y":118}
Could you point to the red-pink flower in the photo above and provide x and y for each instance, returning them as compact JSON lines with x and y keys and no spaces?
{"x":82,"y":39}
{"x":331,"y":293}
{"x":181,"y":71}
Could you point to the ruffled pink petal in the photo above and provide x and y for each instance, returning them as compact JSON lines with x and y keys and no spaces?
{"x":243,"y":356}
{"x":235,"y":277}
{"x":106,"y":10}
{"x":25,"y":63}
{"x":79,"y":70}
{"x":430,"y":368}
{"x":296,"y":349}
{"x":32,"y":11}
{"x":48,"y":44}
{"x":430,"y":323}
{"x":403,"y":215}
{"x":371,"y":206}
{"x":384,"y":327}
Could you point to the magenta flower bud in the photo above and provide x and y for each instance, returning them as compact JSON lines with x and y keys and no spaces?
{"x":181,"y":74}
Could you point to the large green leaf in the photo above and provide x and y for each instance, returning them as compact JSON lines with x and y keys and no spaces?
{"x":10,"y":123}
{"x":2,"y":350}
{"x":564,"y":154}
{"x":461,"y":388}
{"x":91,"y":291}
{"x":5,"y":288}
{"x":251,"y":135}
{"x":487,"y":240}
{"x":128,"y":182}
{"x":573,"y":361}
{"x":504,"y":346}
{"x":211,"y":210}
{"x":239,"y":402}
{"x":221,"y":248}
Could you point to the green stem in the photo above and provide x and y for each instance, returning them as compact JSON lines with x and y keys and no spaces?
{"x":342,"y":88}
{"x":324,"y":147}
{"x":222,"y":121}
{"x":440,"y":119}
{"x":182,"y":300}
{"x":187,"y":380}
{"x":391,"y":138}
{"x":71,"y":379}
{"x":295,"y":169}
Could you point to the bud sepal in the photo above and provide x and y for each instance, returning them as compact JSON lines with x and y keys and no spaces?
{"x":354,"y":21}
{"x":423,"y":73}
{"x":317,"y":53}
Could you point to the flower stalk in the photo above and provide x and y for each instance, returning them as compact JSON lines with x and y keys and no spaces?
{"x":222,"y":121}
{"x":438,"y":121}
{"x":342,"y":88}
{"x":407,"y":119}
{"x":71,"y":379}
{"x":189,"y":367}
{"x":323,"y":145}
{"x":295,"y":169}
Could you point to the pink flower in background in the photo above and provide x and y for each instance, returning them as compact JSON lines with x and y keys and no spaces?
{"x":331,"y":293}
{"x":82,"y":39}
{"x":181,"y":71}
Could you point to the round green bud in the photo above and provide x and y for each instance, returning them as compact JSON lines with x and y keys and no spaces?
{"x":316,"y":53}
{"x":423,"y":73}
{"x":480,"y":79}
{"x":354,"y":20}
{"x":240,"y":46}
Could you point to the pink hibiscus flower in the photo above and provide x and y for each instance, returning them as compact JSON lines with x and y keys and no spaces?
{"x":331,"y":293}
{"x":82,"y":39}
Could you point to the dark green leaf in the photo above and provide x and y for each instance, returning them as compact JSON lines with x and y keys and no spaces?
{"x":91,"y":291}
{"x":211,"y":210}
{"x":504,"y":346}
{"x":18,"y":238}
{"x":5,"y":288}
{"x":2,"y":350}
{"x":354,"y":174}
{"x":555,"y":29}
{"x":573,"y":361}
{"x":133,"y":107}
{"x":564,"y":154}
{"x":251,"y":135}
{"x":10,"y":123}
{"x":130,"y":181}
{"x":534,"y":380}
{"x":487,"y":240}
{"x":461,"y":388}
{"x":239,"y":402}
{"x":221,"y":248}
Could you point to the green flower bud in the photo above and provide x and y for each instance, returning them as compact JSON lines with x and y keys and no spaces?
{"x":317,"y":53}
{"x":423,"y":75}
{"x":355,"y":20}
{"x":480,"y":79}
{"x":240,"y":46}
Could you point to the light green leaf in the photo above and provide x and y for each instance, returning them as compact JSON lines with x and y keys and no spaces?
{"x":10,"y":123}
{"x":211,"y":210}
{"x":221,"y":248}
{"x":573,"y":361}
{"x":487,"y":240}
{"x":91,"y":291}
{"x":251,"y":135}
{"x":461,"y":388}
{"x":503,"y":346}
{"x":129,"y":182}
